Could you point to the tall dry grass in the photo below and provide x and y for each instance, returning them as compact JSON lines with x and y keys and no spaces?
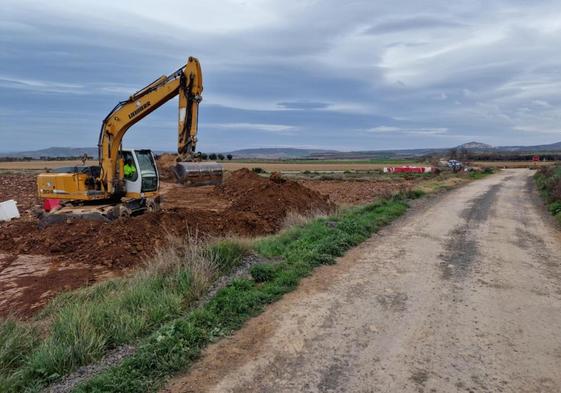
{"x":293,"y":218}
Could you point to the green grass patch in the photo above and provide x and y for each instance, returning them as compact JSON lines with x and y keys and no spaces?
{"x":548,"y":182}
{"x":16,"y":340}
{"x":83,"y":325}
{"x":476,"y":175}
{"x":263,"y":272}
{"x":178,"y":343}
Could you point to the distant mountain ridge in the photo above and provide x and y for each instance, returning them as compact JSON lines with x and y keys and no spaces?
{"x":278,"y":153}
{"x":537,"y":148}
{"x":296,"y":153}
{"x":54,"y":152}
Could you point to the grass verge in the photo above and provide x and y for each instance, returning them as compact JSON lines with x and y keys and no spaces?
{"x":79,"y":327}
{"x":548,"y":181}
{"x":179,"y":342}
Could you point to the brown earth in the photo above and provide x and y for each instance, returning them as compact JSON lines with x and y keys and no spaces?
{"x":165,"y":162}
{"x":80,"y":252}
{"x":256,"y":206}
{"x":344,"y":192}
{"x":21,"y":188}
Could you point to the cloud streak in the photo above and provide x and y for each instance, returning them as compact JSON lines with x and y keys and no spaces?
{"x":364,"y":75}
{"x":274,"y":128}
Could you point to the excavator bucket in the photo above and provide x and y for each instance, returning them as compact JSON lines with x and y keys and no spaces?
{"x":195,"y":174}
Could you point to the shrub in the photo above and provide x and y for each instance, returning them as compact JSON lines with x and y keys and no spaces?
{"x":555,"y":207}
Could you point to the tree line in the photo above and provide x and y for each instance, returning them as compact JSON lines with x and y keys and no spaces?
{"x":463,"y":154}
{"x":203,"y":156}
{"x":44,"y":158}
{"x":214,"y":156}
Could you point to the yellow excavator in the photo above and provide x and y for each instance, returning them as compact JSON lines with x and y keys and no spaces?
{"x":126,"y":181}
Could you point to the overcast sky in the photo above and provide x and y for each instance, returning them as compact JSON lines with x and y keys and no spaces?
{"x":347,"y":75}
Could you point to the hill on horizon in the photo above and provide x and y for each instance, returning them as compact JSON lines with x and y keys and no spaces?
{"x":53,"y":151}
{"x":273,"y":153}
{"x":475,"y":146}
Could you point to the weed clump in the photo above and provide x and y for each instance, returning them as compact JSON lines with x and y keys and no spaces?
{"x":548,"y":181}
{"x":263,"y":272}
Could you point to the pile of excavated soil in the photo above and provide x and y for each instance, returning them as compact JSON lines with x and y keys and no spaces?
{"x":22,"y":189}
{"x":165,"y":162}
{"x":270,"y":199}
{"x":257,"y":206}
{"x":118,"y":244}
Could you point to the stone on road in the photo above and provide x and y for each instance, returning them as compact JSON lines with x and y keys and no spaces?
{"x":461,"y":295}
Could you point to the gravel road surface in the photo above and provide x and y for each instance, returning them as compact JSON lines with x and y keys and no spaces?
{"x":461,"y":295}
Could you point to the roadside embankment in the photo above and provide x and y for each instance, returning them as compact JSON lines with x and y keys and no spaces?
{"x":548,"y":181}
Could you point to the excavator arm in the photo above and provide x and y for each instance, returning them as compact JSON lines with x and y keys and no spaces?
{"x":186,"y":82}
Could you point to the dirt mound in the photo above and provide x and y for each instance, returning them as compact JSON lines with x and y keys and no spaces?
{"x":117,"y":244}
{"x":165,"y":162}
{"x":270,"y":199}
{"x":256,"y":206}
{"x":21,"y":188}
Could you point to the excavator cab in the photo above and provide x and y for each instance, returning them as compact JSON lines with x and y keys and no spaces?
{"x":144,"y":177}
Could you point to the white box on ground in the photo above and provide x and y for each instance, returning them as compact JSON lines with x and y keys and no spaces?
{"x":8,"y":210}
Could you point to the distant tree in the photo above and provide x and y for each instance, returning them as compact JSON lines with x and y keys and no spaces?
{"x":212,"y":156}
{"x":221,"y":156}
{"x":204,"y":156}
{"x":229,"y":157}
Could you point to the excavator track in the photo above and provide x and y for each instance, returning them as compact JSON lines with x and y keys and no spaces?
{"x":103,"y":212}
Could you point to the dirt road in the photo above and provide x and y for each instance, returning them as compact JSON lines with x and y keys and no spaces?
{"x":462,"y":295}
